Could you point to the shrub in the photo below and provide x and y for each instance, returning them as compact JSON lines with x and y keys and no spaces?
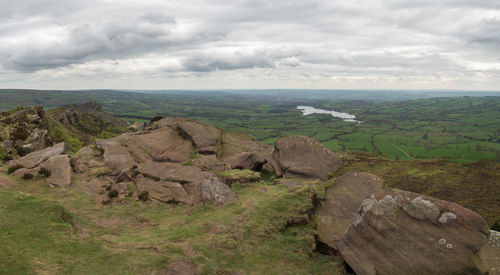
{"x":14,"y":168}
{"x":27,"y":176}
{"x":143,"y":196}
{"x":44,"y":172}
{"x":496,"y":226}
{"x":112,"y":193}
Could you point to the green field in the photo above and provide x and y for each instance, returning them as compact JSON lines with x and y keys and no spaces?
{"x":458,"y":129}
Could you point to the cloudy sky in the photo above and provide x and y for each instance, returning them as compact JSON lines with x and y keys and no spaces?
{"x":194,"y":44}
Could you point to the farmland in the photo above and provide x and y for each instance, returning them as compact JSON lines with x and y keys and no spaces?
{"x":400,"y":125}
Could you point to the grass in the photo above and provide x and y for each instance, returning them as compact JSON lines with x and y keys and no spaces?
{"x":264,"y":232}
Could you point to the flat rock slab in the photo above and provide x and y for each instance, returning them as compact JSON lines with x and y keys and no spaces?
{"x":35,"y":158}
{"x":172,"y":172}
{"x":300,"y":156}
{"x":335,"y":213}
{"x":204,"y":137}
{"x":247,"y":160}
{"x":237,"y":143}
{"x":399,"y":232}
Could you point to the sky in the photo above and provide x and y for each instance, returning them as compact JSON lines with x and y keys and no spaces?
{"x":250,"y":44}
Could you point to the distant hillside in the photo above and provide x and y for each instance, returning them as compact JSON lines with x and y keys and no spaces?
{"x":459,"y":129}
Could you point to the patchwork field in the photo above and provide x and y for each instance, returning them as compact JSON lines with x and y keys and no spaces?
{"x":459,"y":129}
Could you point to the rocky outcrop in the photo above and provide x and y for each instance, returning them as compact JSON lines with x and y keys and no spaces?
{"x":23,"y":132}
{"x":399,"y":232}
{"x":35,"y":158}
{"x":343,"y":199}
{"x":300,"y":156}
{"x":179,"y":183}
{"x":49,"y":163}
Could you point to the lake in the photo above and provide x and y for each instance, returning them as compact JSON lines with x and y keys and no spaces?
{"x":308,"y":110}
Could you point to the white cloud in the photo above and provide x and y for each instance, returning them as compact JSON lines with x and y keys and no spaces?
{"x":250,"y":44}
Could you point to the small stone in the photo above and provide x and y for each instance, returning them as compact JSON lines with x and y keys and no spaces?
{"x":447,"y":216}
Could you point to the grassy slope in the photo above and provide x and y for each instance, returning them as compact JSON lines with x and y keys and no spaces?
{"x":266,"y":231}
{"x":262,"y":233}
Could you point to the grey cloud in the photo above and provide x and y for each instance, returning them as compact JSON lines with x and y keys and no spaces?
{"x":234,"y":61}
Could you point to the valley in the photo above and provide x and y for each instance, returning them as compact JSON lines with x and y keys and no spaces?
{"x":429,"y":126}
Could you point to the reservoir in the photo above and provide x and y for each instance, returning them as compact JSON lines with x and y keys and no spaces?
{"x":308,"y":110}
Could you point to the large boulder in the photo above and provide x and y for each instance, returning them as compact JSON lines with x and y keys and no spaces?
{"x":205,"y":137}
{"x":59,"y":170}
{"x":33,"y":159}
{"x":56,"y":169}
{"x":116,"y":156}
{"x":399,"y":232}
{"x":216,"y":192}
{"x":300,"y":156}
{"x":335,"y":213}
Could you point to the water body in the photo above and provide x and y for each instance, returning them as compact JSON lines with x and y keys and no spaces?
{"x":308,"y":110}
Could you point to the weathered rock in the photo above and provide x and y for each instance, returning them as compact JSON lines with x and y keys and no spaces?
{"x":37,"y":140}
{"x":205,"y":137}
{"x":489,"y":255}
{"x":237,"y":143}
{"x":300,"y":156}
{"x":398,"y":232}
{"x":191,"y":177}
{"x":209,"y":162}
{"x":83,"y":159}
{"x":116,"y":156}
{"x":60,"y":170}
{"x":335,"y":213}
{"x":162,"y":191}
{"x":160,"y":145}
{"x":32,"y":115}
{"x":172,"y":172}
{"x":216,"y":192}
{"x":35,"y":158}
{"x":247,"y":160}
